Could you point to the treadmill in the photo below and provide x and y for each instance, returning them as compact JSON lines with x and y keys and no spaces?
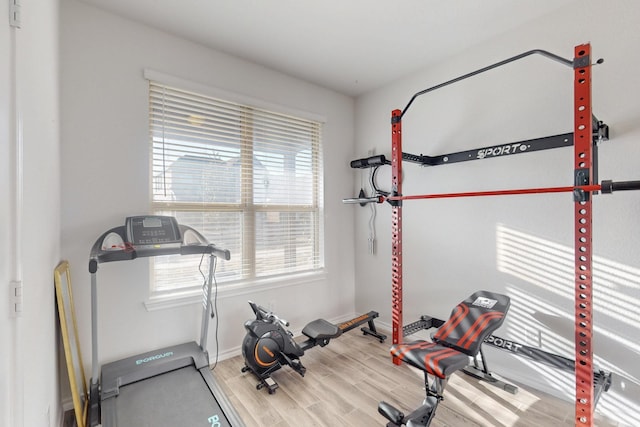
{"x":171,"y":386}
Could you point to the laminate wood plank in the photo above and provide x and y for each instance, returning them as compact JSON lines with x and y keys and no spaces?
{"x":448,"y":417}
{"x":359,"y":418}
{"x":326,"y":415}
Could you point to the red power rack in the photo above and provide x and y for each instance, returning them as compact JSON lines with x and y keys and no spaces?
{"x":583,"y":149}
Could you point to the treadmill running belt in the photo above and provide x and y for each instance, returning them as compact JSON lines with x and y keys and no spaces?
{"x":177,"y":398}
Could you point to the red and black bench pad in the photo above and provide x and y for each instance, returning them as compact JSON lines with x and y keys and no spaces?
{"x":471,"y":322}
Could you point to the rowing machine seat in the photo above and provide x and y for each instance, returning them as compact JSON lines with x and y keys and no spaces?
{"x":321,"y":329}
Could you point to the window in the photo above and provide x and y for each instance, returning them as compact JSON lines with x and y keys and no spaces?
{"x":249,"y":179}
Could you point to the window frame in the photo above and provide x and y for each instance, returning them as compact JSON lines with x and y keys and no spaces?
{"x":187,"y":295}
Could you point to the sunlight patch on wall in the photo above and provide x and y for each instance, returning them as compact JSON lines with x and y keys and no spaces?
{"x":542,"y":315}
{"x":550,"y":266}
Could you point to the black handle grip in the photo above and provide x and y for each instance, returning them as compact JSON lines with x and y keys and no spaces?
{"x":610,"y":186}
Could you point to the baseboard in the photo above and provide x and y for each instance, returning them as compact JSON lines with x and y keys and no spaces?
{"x":66,"y":405}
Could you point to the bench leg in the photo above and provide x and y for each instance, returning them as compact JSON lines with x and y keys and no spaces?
{"x":423,"y":415}
{"x":483,"y":374}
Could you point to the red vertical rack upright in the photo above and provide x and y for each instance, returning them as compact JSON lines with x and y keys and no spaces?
{"x":396,"y":225}
{"x":583,"y":148}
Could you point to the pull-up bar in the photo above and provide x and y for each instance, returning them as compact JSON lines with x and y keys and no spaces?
{"x":605,"y":187}
{"x":544,"y":53}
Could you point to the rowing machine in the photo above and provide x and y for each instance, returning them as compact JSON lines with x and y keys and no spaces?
{"x":268,"y":345}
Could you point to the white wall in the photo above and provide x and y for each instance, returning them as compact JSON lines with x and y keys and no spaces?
{"x":451,"y":245}
{"x":30,"y":219}
{"x":105,"y":177}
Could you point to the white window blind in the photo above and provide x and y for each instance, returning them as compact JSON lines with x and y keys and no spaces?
{"x":249,"y":179}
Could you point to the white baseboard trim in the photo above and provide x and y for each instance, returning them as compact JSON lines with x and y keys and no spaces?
{"x":65,"y":406}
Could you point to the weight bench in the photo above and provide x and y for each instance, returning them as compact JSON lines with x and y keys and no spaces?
{"x":458,"y":339}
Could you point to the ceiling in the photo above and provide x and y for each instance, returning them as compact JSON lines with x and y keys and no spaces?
{"x":350,"y":46}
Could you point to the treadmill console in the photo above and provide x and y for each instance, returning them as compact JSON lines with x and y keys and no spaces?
{"x":152,"y":230}
{"x":149,"y":236}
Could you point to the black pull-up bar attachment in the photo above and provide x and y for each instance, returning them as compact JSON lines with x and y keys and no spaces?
{"x":549,"y":55}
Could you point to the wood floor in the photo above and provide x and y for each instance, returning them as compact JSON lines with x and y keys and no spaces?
{"x":346,"y":379}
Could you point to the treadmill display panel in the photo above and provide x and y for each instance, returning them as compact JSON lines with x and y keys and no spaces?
{"x":152,"y":230}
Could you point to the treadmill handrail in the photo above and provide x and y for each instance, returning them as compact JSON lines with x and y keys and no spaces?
{"x":129,"y":252}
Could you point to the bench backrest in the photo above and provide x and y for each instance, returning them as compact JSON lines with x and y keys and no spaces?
{"x":472,"y":321}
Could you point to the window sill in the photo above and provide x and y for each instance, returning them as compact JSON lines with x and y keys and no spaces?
{"x":167,"y":300}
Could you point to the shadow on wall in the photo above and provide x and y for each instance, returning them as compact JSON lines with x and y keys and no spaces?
{"x":542,"y":311}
